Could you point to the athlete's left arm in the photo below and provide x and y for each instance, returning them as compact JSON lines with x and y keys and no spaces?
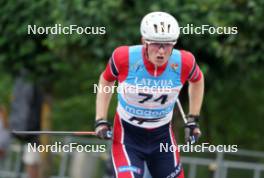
{"x":196,"y":92}
{"x":192,"y":73}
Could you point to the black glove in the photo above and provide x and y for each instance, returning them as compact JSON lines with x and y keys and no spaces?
{"x":103,"y":129}
{"x":192,"y":130}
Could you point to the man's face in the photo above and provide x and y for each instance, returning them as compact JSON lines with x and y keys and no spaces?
{"x":158,"y":53}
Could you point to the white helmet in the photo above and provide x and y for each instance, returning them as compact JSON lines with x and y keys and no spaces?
{"x":160,"y":27}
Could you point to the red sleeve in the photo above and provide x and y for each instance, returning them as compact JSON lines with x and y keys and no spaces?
{"x":117,"y":67}
{"x":190,"y":70}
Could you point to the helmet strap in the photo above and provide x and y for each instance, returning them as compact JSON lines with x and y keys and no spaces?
{"x":146,"y":51}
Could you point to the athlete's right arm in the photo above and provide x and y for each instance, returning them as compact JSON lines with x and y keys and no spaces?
{"x":116,"y":69}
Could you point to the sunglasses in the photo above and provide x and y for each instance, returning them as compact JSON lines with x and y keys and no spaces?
{"x":157,"y":45}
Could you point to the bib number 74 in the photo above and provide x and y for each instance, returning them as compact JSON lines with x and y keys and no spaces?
{"x":162,"y":99}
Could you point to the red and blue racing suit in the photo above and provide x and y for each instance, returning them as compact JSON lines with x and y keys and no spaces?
{"x":146,"y":98}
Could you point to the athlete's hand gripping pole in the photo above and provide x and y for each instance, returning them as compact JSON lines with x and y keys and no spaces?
{"x":103,"y":129}
{"x":192,"y":131}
